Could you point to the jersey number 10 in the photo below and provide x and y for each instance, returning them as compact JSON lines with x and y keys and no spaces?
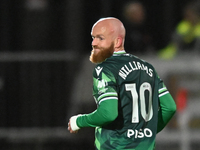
{"x":132,"y":88}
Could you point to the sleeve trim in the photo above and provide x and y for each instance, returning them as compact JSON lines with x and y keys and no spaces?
{"x":106,"y":95}
{"x":162,"y":90}
{"x":162,"y":94}
{"x":107,"y":98}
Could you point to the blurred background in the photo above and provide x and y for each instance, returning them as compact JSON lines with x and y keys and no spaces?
{"x":46,"y":76}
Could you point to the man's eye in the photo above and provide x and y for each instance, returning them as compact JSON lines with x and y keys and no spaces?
{"x":100,"y":38}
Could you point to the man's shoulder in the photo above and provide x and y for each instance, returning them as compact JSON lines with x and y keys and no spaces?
{"x":117,"y":61}
{"x":130,"y":57}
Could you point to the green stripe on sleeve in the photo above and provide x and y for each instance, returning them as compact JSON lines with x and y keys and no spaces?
{"x":111,"y":94}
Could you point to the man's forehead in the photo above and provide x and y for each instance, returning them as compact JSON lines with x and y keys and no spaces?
{"x":103,"y":29}
{"x":102,"y":26}
{"x":99,"y":29}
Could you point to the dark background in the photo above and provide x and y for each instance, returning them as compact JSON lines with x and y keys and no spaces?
{"x":36,"y":92}
{"x":63,"y":24}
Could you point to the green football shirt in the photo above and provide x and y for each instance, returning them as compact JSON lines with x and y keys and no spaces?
{"x":135,"y":86}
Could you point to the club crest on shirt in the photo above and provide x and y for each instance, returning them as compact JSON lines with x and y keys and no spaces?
{"x":101,"y":86}
{"x":98,"y":70}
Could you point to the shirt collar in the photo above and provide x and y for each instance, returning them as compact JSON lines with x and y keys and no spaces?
{"x":120,"y":52}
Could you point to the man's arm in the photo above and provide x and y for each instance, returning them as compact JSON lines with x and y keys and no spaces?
{"x":166,"y":111}
{"x":104,"y":114}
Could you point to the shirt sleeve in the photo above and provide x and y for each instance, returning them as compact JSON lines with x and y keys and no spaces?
{"x":104,"y":114}
{"x":167,"y":107}
{"x":105,"y":95}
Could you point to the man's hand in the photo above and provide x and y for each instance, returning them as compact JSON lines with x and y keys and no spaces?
{"x":70,"y":129}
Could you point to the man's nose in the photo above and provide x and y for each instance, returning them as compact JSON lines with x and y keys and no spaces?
{"x":94,"y":42}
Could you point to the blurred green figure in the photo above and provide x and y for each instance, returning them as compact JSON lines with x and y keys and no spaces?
{"x":186,"y":37}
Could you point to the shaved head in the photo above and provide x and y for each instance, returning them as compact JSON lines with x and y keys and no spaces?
{"x":108,"y":36}
{"x":112,"y":25}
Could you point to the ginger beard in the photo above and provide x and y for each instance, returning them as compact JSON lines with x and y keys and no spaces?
{"x":102,"y":54}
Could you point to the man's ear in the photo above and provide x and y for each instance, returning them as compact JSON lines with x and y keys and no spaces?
{"x":118,"y":42}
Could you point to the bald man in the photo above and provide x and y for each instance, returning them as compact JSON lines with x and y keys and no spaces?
{"x":133,"y":104}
